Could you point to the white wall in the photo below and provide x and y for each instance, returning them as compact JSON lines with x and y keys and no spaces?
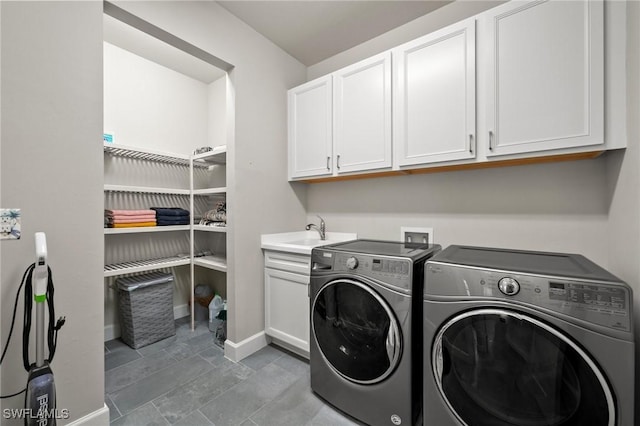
{"x":149,"y":105}
{"x":51,"y":168}
{"x":259,"y":200}
{"x":217,"y":132}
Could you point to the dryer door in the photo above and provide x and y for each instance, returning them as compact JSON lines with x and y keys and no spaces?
{"x":356,"y":331}
{"x":501,"y":367}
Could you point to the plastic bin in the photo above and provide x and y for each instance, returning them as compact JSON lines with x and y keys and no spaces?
{"x":146,"y":308}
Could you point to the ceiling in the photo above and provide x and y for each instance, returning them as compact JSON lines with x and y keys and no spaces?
{"x":312,"y":31}
{"x":309,"y":30}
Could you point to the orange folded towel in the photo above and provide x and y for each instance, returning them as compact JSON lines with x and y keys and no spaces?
{"x":133,"y":225}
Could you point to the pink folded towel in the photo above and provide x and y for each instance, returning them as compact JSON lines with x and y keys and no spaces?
{"x":129,"y":212}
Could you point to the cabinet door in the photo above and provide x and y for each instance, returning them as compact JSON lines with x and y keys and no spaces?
{"x":545,"y":78}
{"x":287,"y":307}
{"x":434,"y":97}
{"x":310,"y":128}
{"x":362,"y":115}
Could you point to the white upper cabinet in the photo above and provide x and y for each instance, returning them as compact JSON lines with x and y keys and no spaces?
{"x":545,"y":76}
{"x":434,"y":95}
{"x":310,"y":128}
{"x":362,"y":115}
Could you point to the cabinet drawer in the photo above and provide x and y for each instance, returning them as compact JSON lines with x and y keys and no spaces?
{"x":298,"y":263}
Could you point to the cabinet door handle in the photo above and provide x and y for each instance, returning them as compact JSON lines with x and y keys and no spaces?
{"x":338,"y":161}
{"x":470,"y":144}
{"x":490,"y":140}
{"x":328,"y":160}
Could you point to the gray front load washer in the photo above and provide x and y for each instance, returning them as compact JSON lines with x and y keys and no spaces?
{"x":525,"y":338}
{"x":366,"y":312}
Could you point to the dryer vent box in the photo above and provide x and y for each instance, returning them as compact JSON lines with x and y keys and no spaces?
{"x":416,"y":235}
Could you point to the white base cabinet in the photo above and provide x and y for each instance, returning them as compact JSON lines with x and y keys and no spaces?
{"x":286,"y":294}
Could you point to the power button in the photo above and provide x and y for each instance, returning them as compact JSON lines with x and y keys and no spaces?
{"x":509,"y":286}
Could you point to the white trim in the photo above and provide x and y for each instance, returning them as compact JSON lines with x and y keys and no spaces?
{"x":238,"y":351}
{"x":97,"y":418}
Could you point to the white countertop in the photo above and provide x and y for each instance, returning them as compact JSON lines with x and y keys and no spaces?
{"x":302,"y":242}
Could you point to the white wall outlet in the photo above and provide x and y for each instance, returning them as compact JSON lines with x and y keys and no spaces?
{"x":10,"y":224}
{"x":416,"y":235}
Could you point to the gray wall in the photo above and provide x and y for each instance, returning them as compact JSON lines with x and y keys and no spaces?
{"x":51,"y":168}
{"x":624,"y":186}
{"x":259,"y":200}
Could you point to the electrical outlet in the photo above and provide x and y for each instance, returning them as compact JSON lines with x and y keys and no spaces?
{"x":416,"y":235}
{"x":10,"y":224}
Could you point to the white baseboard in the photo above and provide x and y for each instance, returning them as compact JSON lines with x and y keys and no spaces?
{"x":97,"y":418}
{"x":112,"y":331}
{"x":238,"y":351}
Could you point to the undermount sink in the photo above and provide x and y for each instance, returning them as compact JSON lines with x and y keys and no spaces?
{"x":310,"y":242}
{"x":302,"y":242}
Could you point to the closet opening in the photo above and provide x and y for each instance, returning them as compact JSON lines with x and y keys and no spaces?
{"x":168,"y":124}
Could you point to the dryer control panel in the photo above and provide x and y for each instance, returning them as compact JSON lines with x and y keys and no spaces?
{"x":602,"y":303}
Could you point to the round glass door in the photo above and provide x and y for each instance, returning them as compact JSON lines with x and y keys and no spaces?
{"x":356,"y":331}
{"x":498,"y":367}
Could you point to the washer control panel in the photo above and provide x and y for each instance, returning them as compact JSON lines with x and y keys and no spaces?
{"x":390,"y":271}
{"x":603,"y":303}
{"x":509,"y":286}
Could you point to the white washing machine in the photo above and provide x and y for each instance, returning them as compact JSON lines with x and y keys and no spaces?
{"x":366,"y":317}
{"x":525,"y":338}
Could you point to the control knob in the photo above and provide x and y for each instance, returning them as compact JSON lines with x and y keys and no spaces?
{"x":509,"y":286}
{"x":352,"y":263}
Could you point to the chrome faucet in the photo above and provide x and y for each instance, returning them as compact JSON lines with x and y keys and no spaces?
{"x":321,"y":230}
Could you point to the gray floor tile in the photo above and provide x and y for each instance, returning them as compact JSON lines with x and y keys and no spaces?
{"x":158,"y":346}
{"x":119,"y":357}
{"x":215,"y":357}
{"x":114,"y":414}
{"x":328,"y":416}
{"x":241,"y":401}
{"x":121,"y":377}
{"x":117,"y":345}
{"x":263,"y":357}
{"x":294,"y":407}
{"x":194,"y":419}
{"x":192,"y":346}
{"x":293,"y":364}
{"x":147,"y":415}
{"x":183,"y":400}
{"x":159,"y":383}
{"x":248,"y":422}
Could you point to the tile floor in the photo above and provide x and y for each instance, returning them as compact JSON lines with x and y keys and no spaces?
{"x":185,"y":380}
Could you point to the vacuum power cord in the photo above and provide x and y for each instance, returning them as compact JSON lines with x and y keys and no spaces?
{"x":28,"y":272}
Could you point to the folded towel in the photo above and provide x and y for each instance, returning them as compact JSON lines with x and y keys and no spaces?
{"x":170,"y":211}
{"x":172,"y":222}
{"x":180,"y":218}
{"x":133,"y":225}
{"x":108,"y":212}
{"x":131,"y":219}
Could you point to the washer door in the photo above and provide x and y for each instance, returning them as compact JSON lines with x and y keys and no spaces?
{"x":356,"y":331}
{"x":500,"y":367}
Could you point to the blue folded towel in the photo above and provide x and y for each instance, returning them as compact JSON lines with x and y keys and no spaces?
{"x":170,"y":211}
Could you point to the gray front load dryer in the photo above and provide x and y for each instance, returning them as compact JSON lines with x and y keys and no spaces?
{"x":366,"y":312}
{"x":525,"y":338}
